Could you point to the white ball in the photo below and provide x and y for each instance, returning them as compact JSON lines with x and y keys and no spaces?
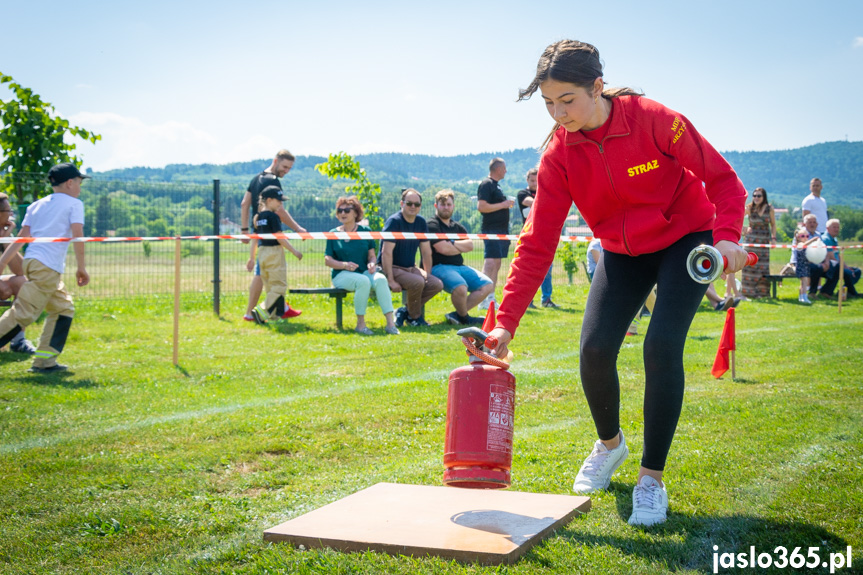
{"x":816,"y":253}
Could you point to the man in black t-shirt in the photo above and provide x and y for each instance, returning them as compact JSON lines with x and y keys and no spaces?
{"x":466,"y":286}
{"x":525,"y":199}
{"x":282,"y":164}
{"x":398,"y":261}
{"x":494,"y":207}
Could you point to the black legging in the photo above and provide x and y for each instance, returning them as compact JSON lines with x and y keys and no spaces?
{"x":620,"y":286}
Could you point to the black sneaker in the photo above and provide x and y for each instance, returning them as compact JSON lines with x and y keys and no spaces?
{"x":22,"y":346}
{"x":453,"y":319}
{"x":418,"y":322}
{"x":549,"y":303}
{"x":52,"y":369}
{"x":259,"y":317}
{"x":531,"y":306}
{"x":471,"y":320}
{"x":401,"y":315}
{"x":720,"y":306}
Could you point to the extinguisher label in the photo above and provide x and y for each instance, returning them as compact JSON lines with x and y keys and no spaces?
{"x":501,"y":409}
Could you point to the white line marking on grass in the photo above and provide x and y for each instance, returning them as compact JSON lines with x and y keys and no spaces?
{"x":36,"y":442}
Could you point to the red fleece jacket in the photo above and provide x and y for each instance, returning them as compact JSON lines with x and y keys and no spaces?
{"x":639,"y":189}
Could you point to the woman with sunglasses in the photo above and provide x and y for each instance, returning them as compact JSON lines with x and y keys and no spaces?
{"x":652,"y":189}
{"x":761,"y":230}
{"x":354,"y":265}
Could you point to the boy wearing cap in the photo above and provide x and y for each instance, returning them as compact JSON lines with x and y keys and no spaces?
{"x":60,"y":214}
{"x":271,"y":258}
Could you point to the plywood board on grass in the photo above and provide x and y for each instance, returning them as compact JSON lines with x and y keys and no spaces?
{"x":486,"y":526}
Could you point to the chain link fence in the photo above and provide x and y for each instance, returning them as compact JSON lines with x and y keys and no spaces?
{"x":140,"y":208}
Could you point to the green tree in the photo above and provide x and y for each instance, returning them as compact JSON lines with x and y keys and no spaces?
{"x":342,"y":165}
{"x":31,"y":139}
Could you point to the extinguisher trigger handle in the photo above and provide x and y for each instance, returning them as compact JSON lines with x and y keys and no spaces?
{"x":474,"y":333}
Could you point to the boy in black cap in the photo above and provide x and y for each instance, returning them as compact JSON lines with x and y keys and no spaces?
{"x":60,"y":214}
{"x":271,"y":257}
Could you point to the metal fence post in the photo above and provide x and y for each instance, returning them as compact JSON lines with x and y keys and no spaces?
{"x":216,"y":217}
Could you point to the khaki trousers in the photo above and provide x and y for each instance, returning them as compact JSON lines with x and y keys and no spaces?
{"x":419,"y":289}
{"x":44,"y":291}
{"x":274,"y":275}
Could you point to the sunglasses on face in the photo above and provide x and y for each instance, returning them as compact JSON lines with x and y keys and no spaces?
{"x":344,"y":210}
{"x":757,"y":196}
{"x":413,"y":204}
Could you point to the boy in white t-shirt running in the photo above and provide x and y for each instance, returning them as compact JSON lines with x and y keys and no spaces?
{"x":59,"y":215}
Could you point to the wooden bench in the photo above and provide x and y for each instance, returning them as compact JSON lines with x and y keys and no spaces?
{"x":337,"y":293}
{"x":775,"y":280}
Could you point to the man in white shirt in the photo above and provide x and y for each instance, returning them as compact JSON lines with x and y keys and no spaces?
{"x":815,"y":204}
{"x":60,"y":214}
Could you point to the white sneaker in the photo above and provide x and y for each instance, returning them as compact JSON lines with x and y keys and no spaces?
{"x":484,"y":304}
{"x":649,"y":503}
{"x":600,"y":465}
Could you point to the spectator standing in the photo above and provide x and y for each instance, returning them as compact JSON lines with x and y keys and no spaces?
{"x":494,"y":207}
{"x":354,"y":266}
{"x":594,"y":252}
{"x":466,"y":286}
{"x":11,"y":283}
{"x":280,"y":166}
{"x":60,"y":214}
{"x":398,"y":260}
{"x":761,"y":230}
{"x":815,"y":204}
{"x":525,"y":199}
{"x":802,"y":240}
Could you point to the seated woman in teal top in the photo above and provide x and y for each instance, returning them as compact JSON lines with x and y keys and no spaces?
{"x":354,"y":265}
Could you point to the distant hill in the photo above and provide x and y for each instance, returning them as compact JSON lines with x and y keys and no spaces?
{"x":785,"y":174}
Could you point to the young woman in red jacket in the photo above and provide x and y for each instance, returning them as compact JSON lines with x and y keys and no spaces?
{"x":651,"y":188}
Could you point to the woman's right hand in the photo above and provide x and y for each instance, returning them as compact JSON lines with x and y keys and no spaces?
{"x":503,"y":339}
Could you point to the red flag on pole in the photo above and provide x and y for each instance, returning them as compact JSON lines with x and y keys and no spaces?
{"x":726,"y":344}
{"x":490,"y":318}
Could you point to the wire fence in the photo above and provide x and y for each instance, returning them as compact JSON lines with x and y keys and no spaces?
{"x":140,"y":208}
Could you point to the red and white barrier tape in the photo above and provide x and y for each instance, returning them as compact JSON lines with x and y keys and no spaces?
{"x":336,"y":236}
{"x":295,"y":236}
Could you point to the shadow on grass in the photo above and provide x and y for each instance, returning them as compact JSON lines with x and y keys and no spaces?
{"x":560,"y":310}
{"x":686,"y":542}
{"x":59,"y":379}
{"x":703,"y":337}
{"x":7,"y":357}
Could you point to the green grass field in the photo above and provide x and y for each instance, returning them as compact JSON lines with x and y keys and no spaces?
{"x":132,"y":465}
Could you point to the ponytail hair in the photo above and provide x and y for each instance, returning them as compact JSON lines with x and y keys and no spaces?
{"x":572,"y":62}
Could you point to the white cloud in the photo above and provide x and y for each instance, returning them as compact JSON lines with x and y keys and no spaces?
{"x":128,"y":141}
{"x":858,"y":42}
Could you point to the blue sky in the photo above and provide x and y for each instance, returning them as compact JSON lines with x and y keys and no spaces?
{"x":193,"y":82}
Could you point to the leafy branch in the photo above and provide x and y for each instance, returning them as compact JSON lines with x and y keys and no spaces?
{"x":342,"y":165}
{"x":32,"y":140}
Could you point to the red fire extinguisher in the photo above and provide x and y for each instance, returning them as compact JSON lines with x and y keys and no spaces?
{"x":479,"y":421}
